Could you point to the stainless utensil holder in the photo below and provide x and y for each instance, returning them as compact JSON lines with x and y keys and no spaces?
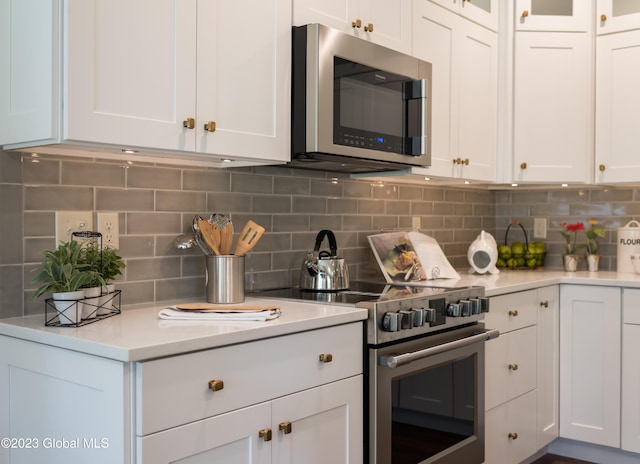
{"x":225,"y":279}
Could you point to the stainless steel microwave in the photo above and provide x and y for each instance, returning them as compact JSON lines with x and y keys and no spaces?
{"x":357,"y":106}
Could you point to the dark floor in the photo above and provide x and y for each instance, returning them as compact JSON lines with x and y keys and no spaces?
{"x":554,"y":459}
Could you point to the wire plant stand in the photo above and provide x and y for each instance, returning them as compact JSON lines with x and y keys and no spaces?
{"x":80,"y":312}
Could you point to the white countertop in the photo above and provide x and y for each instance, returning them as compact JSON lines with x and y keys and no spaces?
{"x":138,"y":334}
{"x":515,"y":281}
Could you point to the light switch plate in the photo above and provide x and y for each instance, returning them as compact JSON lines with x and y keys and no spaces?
{"x":539,"y":227}
{"x":68,"y":222}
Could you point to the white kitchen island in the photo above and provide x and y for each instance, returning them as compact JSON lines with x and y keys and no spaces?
{"x":136,"y":389}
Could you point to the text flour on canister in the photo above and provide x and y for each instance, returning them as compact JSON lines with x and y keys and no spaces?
{"x":628,"y":244}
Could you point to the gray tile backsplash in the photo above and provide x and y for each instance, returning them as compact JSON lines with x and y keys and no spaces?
{"x":157,"y":203}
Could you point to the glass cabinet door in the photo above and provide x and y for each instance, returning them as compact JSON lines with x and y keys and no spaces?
{"x":617,"y":15}
{"x":552,"y":15}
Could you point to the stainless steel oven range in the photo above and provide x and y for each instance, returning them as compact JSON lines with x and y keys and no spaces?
{"x":424,"y":370}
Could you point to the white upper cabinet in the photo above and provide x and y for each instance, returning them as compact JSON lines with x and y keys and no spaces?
{"x":386,"y":22}
{"x":618,"y":104}
{"x":196,"y":77}
{"x":553,"y":15}
{"x":617,"y":15}
{"x":464,"y":89}
{"x":483,"y":12}
{"x":553,"y":107}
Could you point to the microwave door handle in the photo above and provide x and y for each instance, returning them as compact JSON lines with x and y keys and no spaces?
{"x":418,"y":90}
{"x":406,"y":358}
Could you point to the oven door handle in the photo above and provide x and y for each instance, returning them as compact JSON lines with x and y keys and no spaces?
{"x":406,"y":358}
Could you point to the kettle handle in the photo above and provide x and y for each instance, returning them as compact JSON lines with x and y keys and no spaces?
{"x":332,"y":241}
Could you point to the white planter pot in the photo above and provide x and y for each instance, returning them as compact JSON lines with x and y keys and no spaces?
{"x":68,"y":306}
{"x":91,"y":302}
{"x":106,"y":300}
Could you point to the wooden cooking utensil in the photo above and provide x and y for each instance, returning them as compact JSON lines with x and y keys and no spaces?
{"x":210,"y":234}
{"x":249,"y":236}
{"x":226,"y":238}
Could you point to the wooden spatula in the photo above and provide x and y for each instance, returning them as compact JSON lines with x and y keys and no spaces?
{"x":249,"y":236}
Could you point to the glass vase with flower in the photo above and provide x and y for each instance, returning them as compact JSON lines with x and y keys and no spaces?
{"x":570,"y":234}
{"x":593,"y":233}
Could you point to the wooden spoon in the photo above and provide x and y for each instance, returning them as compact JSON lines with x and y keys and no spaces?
{"x":249,"y":237}
{"x":210,"y":234}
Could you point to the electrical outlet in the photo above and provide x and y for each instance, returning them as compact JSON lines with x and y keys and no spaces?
{"x":540,"y":228}
{"x":109,"y":227}
{"x":68,"y":222}
{"x":415,"y":223}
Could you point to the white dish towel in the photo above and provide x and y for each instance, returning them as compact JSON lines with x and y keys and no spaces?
{"x":208,"y":312}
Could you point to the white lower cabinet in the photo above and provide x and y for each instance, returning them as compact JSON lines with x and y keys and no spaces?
{"x":61,"y":406}
{"x":521,"y":398}
{"x":287,"y":399}
{"x":318,"y":425}
{"x":295,"y":398}
{"x":590,"y":371}
{"x":630,"y":432}
{"x":510,"y":436}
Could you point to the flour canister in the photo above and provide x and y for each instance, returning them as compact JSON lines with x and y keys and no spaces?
{"x":628,"y":244}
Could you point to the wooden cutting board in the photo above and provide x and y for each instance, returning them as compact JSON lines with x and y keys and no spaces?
{"x":230,"y":308}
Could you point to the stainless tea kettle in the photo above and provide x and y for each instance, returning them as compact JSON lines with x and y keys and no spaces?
{"x":324,"y":270}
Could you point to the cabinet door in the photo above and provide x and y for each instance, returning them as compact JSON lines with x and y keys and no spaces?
{"x":617,"y":15}
{"x":510,"y":432}
{"x":548,"y":371}
{"x":321,"y":425}
{"x":243,"y":78}
{"x":618,"y":104}
{"x":630,"y":433}
{"x":590,"y":364}
{"x":510,"y":366}
{"x":231,"y":437}
{"x":512,"y":311}
{"x":391,"y":22}
{"x":483,"y":12}
{"x":28,"y":70}
{"x":131,"y":74}
{"x":71,"y":404}
{"x":391,"y":19}
{"x":553,"y":15}
{"x":552,"y":107}
{"x":476,"y":108}
{"x":464,"y":88}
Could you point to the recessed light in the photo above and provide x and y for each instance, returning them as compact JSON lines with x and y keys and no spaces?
{"x":427,"y":178}
{"x":128,"y":151}
{"x":514,"y":185}
{"x":226,"y":160}
{"x":565,"y":185}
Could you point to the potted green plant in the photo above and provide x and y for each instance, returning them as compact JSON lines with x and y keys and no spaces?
{"x":112,"y":266}
{"x":64,"y":274}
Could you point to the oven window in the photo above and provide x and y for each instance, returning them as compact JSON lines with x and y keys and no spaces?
{"x":433,"y":410}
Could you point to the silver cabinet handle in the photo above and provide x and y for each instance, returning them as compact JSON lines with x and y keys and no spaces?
{"x":406,"y":358}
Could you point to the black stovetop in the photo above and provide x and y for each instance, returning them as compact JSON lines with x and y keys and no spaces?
{"x":358,"y":292}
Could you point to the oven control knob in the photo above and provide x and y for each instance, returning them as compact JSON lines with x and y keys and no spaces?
{"x":475,"y":305}
{"x":465,"y":308}
{"x":390,"y":322}
{"x":484,"y":304}
{"x":418,"y":317}
{"x":453,"y":310}
{"x":429,"y":315}
{"x":406,"y":319}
